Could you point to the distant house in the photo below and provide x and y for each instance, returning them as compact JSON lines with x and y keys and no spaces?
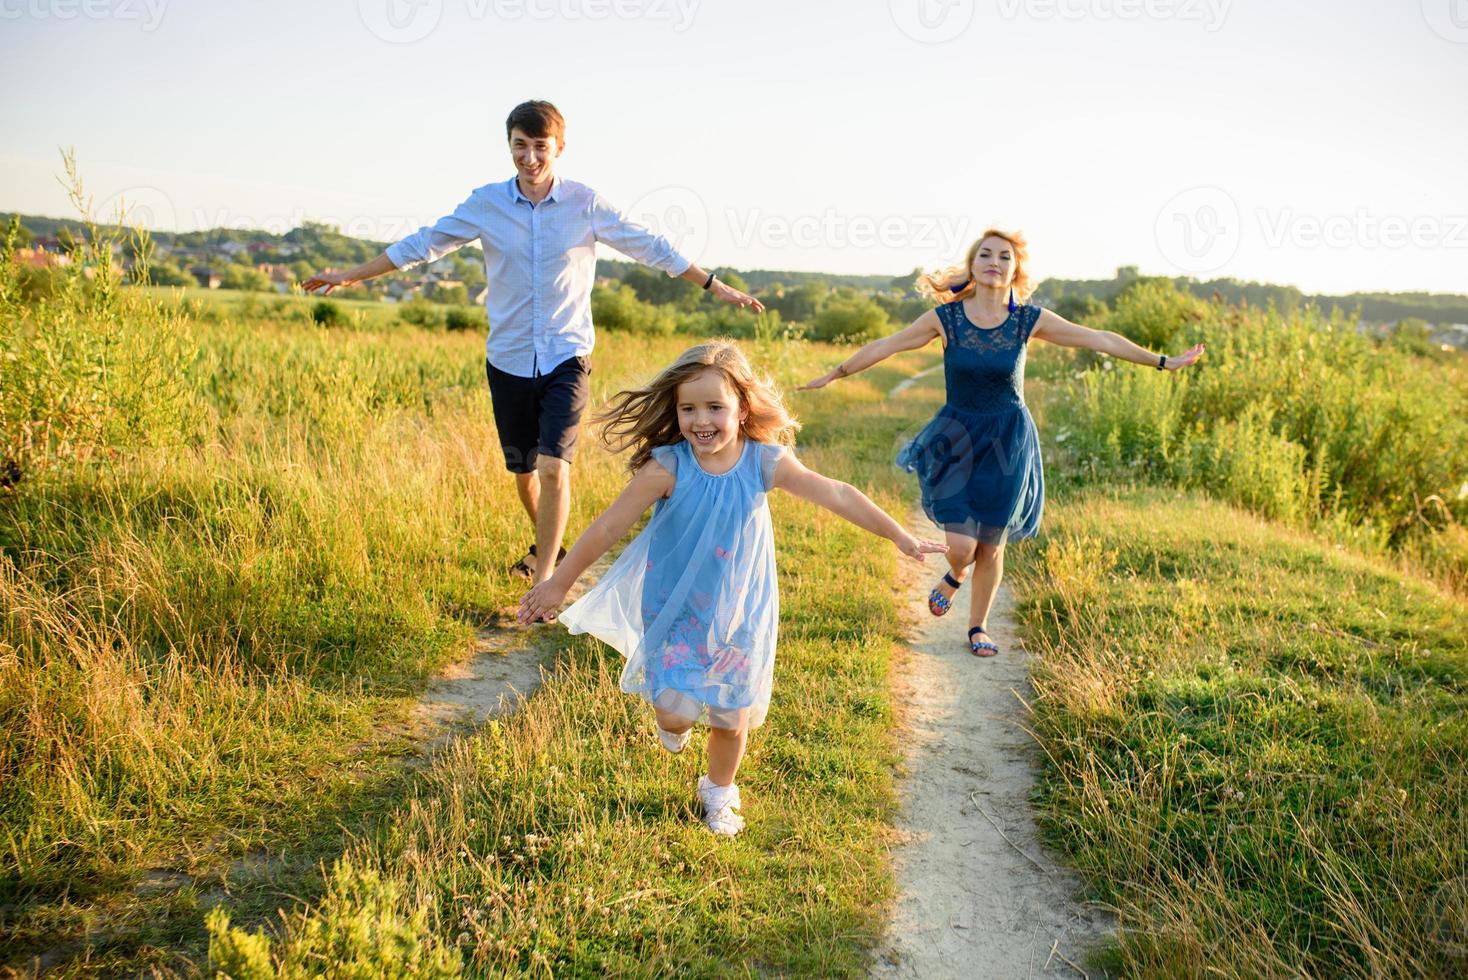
{"x":207,"y":277}
{"x":255,"y":248}
{"x":231,"y":249}
{"x":36,"y":258}
{"x":402,"y":290}
{"x":1452,"y":334}
{"x":476,"y":293}
{"x":281,"y":277}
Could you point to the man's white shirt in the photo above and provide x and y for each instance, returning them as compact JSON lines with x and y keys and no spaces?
{"x":539,"y":265}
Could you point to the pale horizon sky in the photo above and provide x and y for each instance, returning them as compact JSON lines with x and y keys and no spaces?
{"x":1316,"y":144}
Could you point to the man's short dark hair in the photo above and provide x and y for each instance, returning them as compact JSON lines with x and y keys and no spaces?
{"x":538,"y":120}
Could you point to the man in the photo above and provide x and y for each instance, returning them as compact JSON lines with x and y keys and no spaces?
{"x":539,"y":235}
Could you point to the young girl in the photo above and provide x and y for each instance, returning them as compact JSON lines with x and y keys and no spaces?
{"x":692,"y":602}
{"x":978,"y":460}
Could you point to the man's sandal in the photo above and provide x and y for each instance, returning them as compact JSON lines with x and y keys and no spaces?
{"x":521,"y":570}
{"x":938,"y":603}
{"x":980,"y":648}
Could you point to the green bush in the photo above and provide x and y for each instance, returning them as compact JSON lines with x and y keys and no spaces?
{"x":615,"y":307}
{"x":363,"y":928}
{"x":421,"y":313}
{"x":1152,"y":312}
{"x":458,"y":318}
{"x":244,"y":277}
{"x":1300,"y":418}
{"x":92,"y":371}
{"x":723,"y":320}
{"x":325,"y":313}
{"x":850,"y":318}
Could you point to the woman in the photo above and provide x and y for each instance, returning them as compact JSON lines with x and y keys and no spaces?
{"x":978,"y":461}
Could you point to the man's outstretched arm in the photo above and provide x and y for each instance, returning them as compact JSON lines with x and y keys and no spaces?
{"x":611,"y":226}
{"x":424,"y":245}
{"x":721,"y":290}
{"x":329,"y":280}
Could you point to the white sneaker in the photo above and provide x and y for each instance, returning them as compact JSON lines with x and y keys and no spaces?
{"x":673,"y":743}
{"x":719,"y":804}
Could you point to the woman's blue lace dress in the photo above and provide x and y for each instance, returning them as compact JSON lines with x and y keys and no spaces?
{"x":978,"y":461}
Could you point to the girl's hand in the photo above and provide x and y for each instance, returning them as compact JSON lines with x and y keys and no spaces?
{"x":1185,"y":358}
{"x":820,"y":382}
{"x":914,"y":548}
{"x":544,"y":598}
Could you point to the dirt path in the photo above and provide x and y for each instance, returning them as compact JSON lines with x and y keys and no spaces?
{"x":504,"y":666}
{"x":978,"y":894}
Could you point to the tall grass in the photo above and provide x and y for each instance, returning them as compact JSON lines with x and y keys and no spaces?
{"x":1256,"y":743}
{"x":216,"y":624}
{"x":1298,"y":418}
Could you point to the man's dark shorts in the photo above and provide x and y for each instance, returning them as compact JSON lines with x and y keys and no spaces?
{"x":539,"y":415}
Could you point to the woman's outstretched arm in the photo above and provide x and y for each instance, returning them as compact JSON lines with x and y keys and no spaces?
{"x":1057,"y":329}
{"x":917,"y":334}
{"x":843,"y":499}
{"x":649,"y":483}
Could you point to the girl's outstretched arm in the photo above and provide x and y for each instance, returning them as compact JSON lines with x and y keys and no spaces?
{"x":1058,"y":330}
{"x":917,"y":334}
{"x":647,"y":485}
{"x":844,"y":499}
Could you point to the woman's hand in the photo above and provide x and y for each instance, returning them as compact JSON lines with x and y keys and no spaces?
{"x":1185,"y":358}
{"x":326,"y":282}
{"x":544,"y":598}
{"x":822,"y":381}
{"x":915,"y":548}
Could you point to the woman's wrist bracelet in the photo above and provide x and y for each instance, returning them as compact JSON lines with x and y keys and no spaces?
{"x":709,"y":281}
{"x":1161,"y":361}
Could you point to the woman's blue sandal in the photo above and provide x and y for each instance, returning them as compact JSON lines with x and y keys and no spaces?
{"x":980,"y":648}
{"x":938,"y":603}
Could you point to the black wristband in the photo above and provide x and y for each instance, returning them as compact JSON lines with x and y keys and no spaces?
{"x":709,"y":283}
{"x":1161,"y":361}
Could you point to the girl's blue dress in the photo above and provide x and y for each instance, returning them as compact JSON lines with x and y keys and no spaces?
{"x":978,"y":461}
{"x":692,"y":601}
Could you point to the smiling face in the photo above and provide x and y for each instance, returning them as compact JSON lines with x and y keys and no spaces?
{"x":534,"y":156}
{"x":993,"y":263}
{"x":709,"y":412}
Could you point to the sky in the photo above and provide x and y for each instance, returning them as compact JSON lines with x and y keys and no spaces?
{"x":1313,"y":143}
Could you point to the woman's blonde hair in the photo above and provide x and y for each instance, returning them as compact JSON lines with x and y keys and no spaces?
{"x":643,"y":418}
{"x":957,"y":281}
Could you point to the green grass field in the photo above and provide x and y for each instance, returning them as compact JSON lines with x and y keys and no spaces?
{"x":229,"y":574}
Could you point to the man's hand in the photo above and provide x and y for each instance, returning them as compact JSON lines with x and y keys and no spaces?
{"x":326,"y":281}
{"x":728,"y":294}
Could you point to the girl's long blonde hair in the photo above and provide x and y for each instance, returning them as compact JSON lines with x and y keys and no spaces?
{"x":940,"y":286}
{"x":646,"y":417}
